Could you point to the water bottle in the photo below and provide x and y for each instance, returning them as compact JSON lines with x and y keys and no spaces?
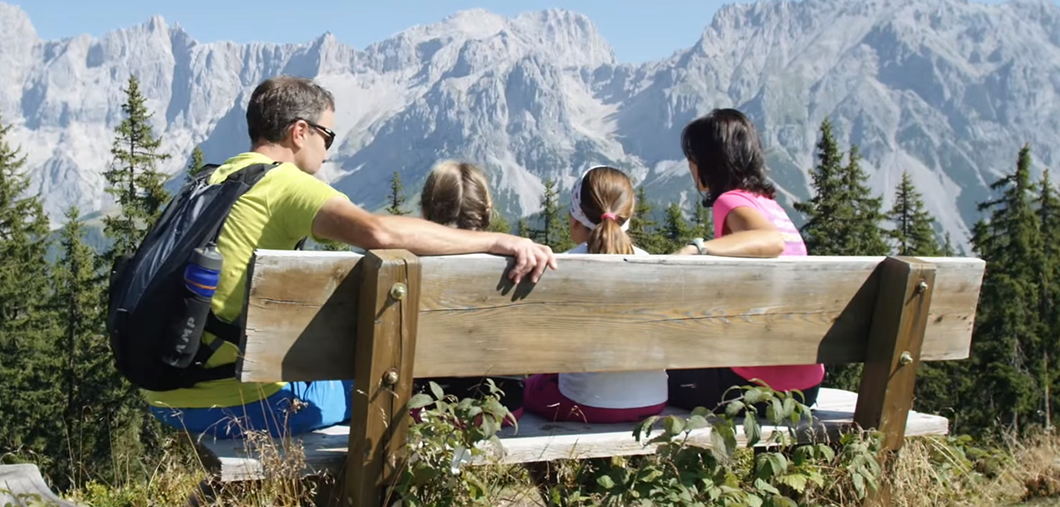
{"x":200,"y":282}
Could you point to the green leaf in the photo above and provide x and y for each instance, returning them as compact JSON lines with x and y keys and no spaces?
{"x":419,"y":401}
{"x":777,"y":414}
{"x":754,"y":395}
{"x":793,"y":481}
{"x":696,"y":422}
{"x":761,"y":485}
{"x":859,"y":485}
{"x":826,"y":452}
{"x":437,"y":390}
{"x":751,"y":429}
{"x":605,"y":482}
{"x":780,"y":500}
{"x":789,"y":408}
{"x":674,"y":425}
{"x":734,"y":408}
{"x":644,"y":428}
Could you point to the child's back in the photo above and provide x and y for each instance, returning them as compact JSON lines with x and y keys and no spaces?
{"x":602,"y":204}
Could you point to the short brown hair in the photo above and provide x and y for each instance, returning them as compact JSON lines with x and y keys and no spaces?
{"x":280,"y":101}
{"x":456,"y":194}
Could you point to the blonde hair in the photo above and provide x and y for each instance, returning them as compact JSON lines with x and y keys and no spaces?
{"x":457,"y":194}
{"x":607,"y":191}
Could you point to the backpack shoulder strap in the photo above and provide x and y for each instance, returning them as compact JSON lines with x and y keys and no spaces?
{"x":232,"y":331}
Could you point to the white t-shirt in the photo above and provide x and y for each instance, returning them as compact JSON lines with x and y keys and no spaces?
{"x":627,"y":389}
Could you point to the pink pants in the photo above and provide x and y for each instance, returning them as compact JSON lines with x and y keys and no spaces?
{"x":543,"y":397}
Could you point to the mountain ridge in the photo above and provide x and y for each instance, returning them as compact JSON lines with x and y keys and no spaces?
{"x":947,"y":89}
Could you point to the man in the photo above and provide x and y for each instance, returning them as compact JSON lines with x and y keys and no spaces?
{"x":290,"y":120}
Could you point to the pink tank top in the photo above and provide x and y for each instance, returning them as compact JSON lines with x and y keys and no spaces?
{"x":779,"y":378}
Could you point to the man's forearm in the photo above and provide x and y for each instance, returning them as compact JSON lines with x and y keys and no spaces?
{"x":422,"y":237}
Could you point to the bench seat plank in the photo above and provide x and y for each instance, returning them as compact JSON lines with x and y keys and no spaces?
{"x":541,"y":440}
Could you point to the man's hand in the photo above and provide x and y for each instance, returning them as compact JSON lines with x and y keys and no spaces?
{"x":530,"y":258}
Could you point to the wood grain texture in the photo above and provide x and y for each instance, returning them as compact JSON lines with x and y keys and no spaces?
{"x":23,"y":484}
{"x":596,"y":313}
{"x":291,"y":300}
{"x":539,"y":440}
{"x":386,"y":342}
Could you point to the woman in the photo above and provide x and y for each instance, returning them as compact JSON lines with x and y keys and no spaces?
{"x":727,"y":164}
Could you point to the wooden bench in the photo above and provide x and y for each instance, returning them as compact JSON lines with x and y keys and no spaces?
{"x":387,"y":317}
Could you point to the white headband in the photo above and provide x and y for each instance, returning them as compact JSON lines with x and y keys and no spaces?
{"x":576,"y":202}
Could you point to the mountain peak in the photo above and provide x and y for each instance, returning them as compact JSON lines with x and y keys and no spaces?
{"x":16,"y":25}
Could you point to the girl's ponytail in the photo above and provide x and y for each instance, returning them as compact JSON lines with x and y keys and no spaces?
{"x":604,"y":198}
{"x":609,"y":238}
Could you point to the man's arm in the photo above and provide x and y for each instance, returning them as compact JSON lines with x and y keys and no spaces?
{"x":341,"y":220}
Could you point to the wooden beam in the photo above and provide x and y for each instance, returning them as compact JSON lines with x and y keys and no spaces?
{"x":386,"y":342}
{"x":896,"y":336}
{"x":596,"y":313}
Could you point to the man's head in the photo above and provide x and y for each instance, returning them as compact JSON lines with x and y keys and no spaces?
{"x":294,"y":115}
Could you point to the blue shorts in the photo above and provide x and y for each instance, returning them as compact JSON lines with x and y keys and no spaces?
{"x":298,"y":407}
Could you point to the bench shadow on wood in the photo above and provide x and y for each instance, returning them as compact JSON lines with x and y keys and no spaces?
{"x":343,"y":301}
{"x":851,"y":321}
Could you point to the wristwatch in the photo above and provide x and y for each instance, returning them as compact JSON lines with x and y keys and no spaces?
{"x":698,"y":242}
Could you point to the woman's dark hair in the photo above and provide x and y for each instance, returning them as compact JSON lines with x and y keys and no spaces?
{"x":728,"y":154}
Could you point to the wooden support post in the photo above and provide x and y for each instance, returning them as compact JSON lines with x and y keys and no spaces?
{"x":385,"y":350}
{"x":893,"y":353}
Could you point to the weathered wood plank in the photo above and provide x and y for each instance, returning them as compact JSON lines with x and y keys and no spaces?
{"x":540,"y":440}
{"x":23,"y":484}
{"x":897,"y":334}
{"x":652,"y":312}
{"x":386,"y":343}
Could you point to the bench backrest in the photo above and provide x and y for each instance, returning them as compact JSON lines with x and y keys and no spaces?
{"x":596,"y":313}
{"x":389,"y":316}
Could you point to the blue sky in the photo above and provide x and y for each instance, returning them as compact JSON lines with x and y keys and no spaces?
{"x":639,"y":30}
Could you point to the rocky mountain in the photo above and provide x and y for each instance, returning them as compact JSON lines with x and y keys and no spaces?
{"x":946,"y":89}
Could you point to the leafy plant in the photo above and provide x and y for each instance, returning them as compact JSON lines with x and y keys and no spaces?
{"x":448,"y":437}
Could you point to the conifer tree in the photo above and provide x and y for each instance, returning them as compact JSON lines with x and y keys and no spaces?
{"x":195,"y":166}
{"x":1049,"y":292}
{"x":397,"y":198}
{"x":913,"y":233}
{"x":947,"y":246}
{"x":1007,"y":334}
{"x":523,"y":228}
{"x":133,"y":179}
{"x":867,"y":235}
{"x":675,"y":232}
{"x":30,"y":400}
{"x":93,"y":387}
{"x":499,"y":224}
{"x":829,"y":211}
{"x":642,"y":228}
{"x":555,"y":228}
{"x":703,"y":222}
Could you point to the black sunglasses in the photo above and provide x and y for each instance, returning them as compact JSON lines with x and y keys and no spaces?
{"x":329,"y":135}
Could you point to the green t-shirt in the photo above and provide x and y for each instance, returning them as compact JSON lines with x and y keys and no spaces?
{"x":275,"y":214}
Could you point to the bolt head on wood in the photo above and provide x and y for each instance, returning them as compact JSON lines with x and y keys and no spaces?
{"x":399,"y":291}
{"x":390,"y":377}
{"x":921,"y":287}
{"x":905,"y":358}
